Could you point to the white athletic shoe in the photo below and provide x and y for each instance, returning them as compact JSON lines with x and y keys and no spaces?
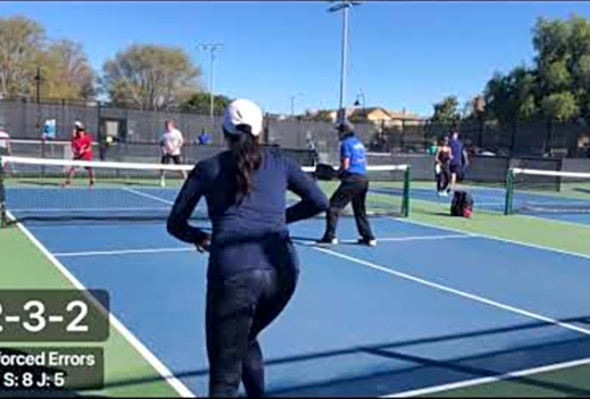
{"x":369,"y":243}
{"x":324,"y":241}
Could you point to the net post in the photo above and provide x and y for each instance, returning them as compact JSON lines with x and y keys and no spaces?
{"x":406,"y":198}
{"x":509,"y":192}
{"x":3,"y":216}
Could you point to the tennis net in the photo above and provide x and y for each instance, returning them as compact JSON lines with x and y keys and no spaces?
{"x":533,"y":191}
{"x":33,"y":189}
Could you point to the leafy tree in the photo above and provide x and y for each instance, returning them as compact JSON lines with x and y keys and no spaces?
{"x":322,"y":115}
{"x":201,"y":103}
{"x":67,"y":72}
{"x":21,"y":43}
{"x":510,"y":97}
{"x":563,"y":62}
{"x":447,"y":111}
{"x":560,"y":106}
{"x":150,"y":77}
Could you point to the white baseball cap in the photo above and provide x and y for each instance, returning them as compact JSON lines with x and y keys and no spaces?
{"x":79,"y":125}
{"x":243,"y":112}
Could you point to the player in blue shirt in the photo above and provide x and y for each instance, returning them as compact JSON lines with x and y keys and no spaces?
{"x":204,"y":138}
{"x":353,"y":187}
{"x":253,"y":267}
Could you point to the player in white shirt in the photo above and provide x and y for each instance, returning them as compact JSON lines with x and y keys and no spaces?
{"x":171,"y":143}
{"x":5,"y":148}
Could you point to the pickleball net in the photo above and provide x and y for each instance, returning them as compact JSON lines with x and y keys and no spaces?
{"x":536,"y":191}
{"x":32,"y":189}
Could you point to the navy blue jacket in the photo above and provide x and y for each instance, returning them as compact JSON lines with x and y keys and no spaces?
{"x":253,"y":234}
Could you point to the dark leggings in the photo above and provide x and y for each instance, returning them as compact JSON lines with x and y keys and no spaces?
{"x":238,"y":309}
{"x":443,"y":179}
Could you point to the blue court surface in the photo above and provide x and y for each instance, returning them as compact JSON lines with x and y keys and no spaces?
{"x":406,"y":315}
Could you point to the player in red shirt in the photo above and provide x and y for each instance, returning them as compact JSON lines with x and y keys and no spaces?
{"x":82,"y":148}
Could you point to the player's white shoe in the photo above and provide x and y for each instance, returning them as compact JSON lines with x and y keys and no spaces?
{"x":369,"y":243}
{"x":328,"y":241}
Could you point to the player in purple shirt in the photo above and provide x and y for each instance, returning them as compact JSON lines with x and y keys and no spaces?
{"x":459,"y":159}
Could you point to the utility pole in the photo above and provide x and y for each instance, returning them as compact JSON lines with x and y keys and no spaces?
{"x":38,"y":84}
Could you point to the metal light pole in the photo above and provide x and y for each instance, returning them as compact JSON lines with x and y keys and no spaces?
{"x":361,"y":95}
{"x":38,"y":79}
{"x":293,"y":98}
{"x":211,"y":47}
{"x":343,"y":5}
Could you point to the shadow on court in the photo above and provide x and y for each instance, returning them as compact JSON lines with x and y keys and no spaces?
{"x":425,"y":371}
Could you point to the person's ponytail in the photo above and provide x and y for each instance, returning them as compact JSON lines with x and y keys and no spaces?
{"x":247,"y":157}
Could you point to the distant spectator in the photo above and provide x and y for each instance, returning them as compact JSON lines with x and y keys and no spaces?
{"x":204,"y":138}
{"x":433,"y":147}
{"x":5,"y":147}
{"x":49,"y":129}
{"x":312,"y":147}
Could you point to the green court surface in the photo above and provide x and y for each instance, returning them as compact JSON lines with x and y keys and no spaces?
{"x":543,"y":384}
{"x":128,"y":373}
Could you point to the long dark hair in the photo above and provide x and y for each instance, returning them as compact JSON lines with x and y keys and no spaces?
{"x":247,"y":157}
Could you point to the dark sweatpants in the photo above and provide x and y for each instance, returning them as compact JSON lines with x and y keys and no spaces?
{"x":238,"y":308}
{"x":353,"y":188}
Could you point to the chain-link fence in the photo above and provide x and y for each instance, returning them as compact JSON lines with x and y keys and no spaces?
{"x":24,"y":119}
{"x":530,"y":138}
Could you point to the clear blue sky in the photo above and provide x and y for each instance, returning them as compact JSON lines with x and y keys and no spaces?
{"x":401,"y":54}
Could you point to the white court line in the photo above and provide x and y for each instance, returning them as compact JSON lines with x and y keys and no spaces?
{"x":454,"y":291}
{"x":101,"y":210}
{"x":485,"y":380}
{"x":395,"y":239}
{"x":190,"y":248}
{"x":152,"y":360}
{"x":148,"y":196}
{"x":123,"y":252}
{"x":416,"y":238}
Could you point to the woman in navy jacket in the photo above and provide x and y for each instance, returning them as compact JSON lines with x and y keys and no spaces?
{"x":253,"y":266}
